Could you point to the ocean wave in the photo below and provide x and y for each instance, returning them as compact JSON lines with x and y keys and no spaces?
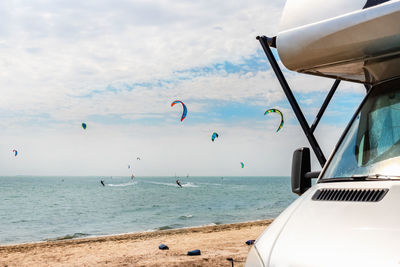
{"x":65,"y":237}
{"x":168,"y":227}
{"x":185,"y":217}
{"x":20,"y":221}
{"x":209,"y":184}
{"x":172,"y":184}
{"x":124,"y":184}
{"x":166,"y":184}
{"x":189,"y":184}
{"x":208,"y":224}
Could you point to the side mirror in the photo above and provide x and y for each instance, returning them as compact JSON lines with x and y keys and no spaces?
{"x":301,"y":167}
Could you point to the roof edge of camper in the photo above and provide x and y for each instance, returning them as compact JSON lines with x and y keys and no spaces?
{"x":266,"y":43}
{"x":347,"y":40}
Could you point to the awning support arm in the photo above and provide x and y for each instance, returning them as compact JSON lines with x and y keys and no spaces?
{"x":324,"y":105}
{"x":265,"y":43}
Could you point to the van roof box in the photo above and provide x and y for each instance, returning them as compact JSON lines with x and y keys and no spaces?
{"x":346,"y":40}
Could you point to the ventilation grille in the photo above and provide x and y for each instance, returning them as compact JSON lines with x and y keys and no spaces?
{"x":355,"y":195}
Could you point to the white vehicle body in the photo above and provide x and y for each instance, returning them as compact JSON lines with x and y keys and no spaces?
{"x":332,"y":233}
{"x":351,"y":216}
{"x":362,"y":46}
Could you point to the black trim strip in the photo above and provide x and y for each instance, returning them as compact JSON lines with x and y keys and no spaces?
{"x":371,"y":3}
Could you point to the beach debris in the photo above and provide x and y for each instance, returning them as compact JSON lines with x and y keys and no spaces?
{"x":231,"y":260}
{"x":250,"y":242}
{"x":184,"y":113}
{"x":214,"y":135}
{"x":178,"y":183}
{"x":242,"y":164}
{"x":274,"y":110}
{"x":163,"y":247}
{"x":195,"y":252}
{"x":84,"y":126}
{"x":15,"y":152}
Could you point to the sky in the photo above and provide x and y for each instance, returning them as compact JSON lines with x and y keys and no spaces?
{"x":117,"y":66}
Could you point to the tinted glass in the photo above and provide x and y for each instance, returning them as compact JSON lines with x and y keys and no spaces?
{"x":372,"y":143}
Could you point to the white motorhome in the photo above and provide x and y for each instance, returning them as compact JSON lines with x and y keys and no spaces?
{"x":351,"y":215}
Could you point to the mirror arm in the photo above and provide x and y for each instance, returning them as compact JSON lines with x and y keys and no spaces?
{"x":310,"y":175}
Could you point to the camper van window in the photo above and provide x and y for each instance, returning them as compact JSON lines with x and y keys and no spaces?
{"x":371,"y":147}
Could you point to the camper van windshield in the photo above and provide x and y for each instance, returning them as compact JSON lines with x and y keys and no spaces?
{"x":371,"y":147}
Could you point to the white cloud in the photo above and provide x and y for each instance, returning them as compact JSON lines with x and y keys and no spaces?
{"x":51,"y":48}
{"x":57,"y":59}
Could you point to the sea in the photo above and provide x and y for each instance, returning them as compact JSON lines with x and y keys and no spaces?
{"x":55,"y":208}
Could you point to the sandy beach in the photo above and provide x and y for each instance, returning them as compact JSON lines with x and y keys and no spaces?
{"x":141,"y":249}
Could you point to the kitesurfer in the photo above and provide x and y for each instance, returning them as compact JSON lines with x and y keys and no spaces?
{"x":178,"y":183}
{"x":102,"y":182}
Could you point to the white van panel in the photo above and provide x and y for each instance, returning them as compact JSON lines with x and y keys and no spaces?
{"x":361,"y":46}
{"x":302,"y":12}
{"x":340,"y":233}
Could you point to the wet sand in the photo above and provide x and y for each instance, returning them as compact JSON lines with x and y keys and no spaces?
{"x":141,"y":249}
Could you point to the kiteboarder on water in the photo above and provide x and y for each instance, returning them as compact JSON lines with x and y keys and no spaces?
{"x":102,"y":182}
{"x":178,"y":183}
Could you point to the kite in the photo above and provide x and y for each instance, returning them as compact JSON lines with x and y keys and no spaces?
{"x":184,"y":108}
{"x":214,"y":135}
{"x":84,"y":125}
{"x":129,"y":166}
{"x":241,"y":163}
{"x":137,"y":158}
{"x":273,"y":110}
{"x":15,"y":152}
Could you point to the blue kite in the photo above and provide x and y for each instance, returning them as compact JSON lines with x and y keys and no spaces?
{"x":214,"y":135}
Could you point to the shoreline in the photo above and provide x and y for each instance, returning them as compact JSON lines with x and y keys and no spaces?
{"x":127,"y":234}
{"x":216,"y":242}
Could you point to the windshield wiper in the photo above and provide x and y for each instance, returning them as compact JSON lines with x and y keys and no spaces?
{"x":360,"y":177}
{"x":376,"y":176}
